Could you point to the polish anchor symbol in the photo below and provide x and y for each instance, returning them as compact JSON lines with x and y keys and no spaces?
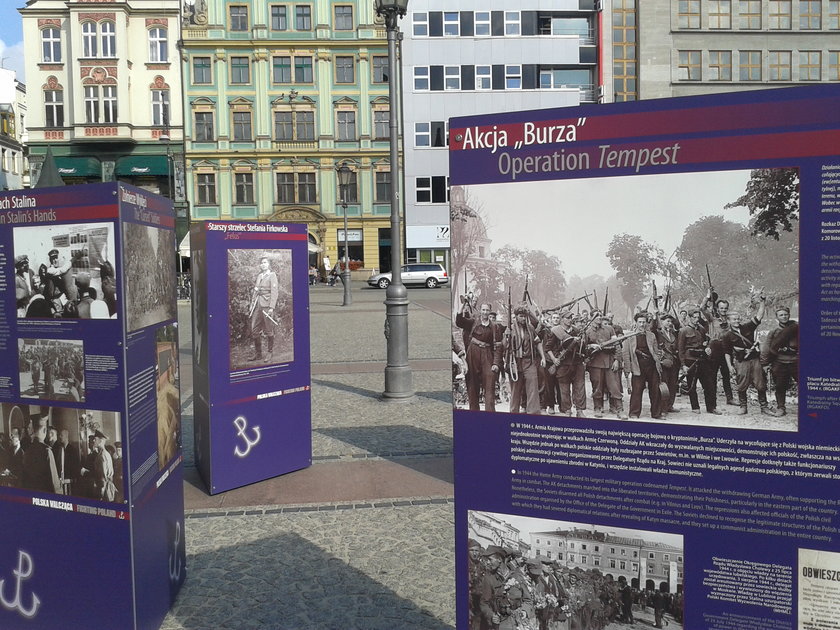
{"x":24,"y":571}
{"x":242,"y":424}
{"x":174,"y":559}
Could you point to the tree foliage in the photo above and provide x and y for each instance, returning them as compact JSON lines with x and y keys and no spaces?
{"x":635,"y":262}
{"x":772,"y":197}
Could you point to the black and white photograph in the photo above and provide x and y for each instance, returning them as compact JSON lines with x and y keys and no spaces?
{"x":261,"y":310}
{"x":150,"y":277}
{"x":656,"y":298}
{"x":199,"y":309}
{"x":52,"y":369}
{"x":168,"y":395}
{"x":543,"y":574}
{"x":65,"y":271}
{"x":62,"y":451}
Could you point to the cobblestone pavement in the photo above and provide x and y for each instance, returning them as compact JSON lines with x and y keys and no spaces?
{"x":326,"y":565}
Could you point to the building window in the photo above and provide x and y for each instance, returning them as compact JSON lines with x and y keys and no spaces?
{"x":296,"y":188}
{"x":298,"y":125}
{"x":54,"y":108}
{"x":513,"y":77}
{"x":651,"y":556}
{"x":596,"y":561}
{"x":345,"y":70}
{"x":238,"y":17}
{"x":160,"y":108}
{"x":206,"y":188}
{"x":51,"y":45}
{"x":666,"y":557}
{"x":834,"y":65}
{"x":720,"y":14}
{"x":431,"y":189}
{"x":202,"y":69}
{"x":242,"y":126}
{"x":108,"y":38}
{"x":779,"y":14}
{"x":422,"y":136}
{"x":421,"y":24}
{"x":343,"y":17}
{"x":810,"y":65}
{"x":512,"y":23}
{"x":89,"y":39}
{"x":624,"y":50}
{"x":451,"y":24}
{"x":303,"y":69}
{"x":279,"y":18}
{"x":303,"y":17}
{"x":612,"y":564}
{"x":623,"y":552}
{"x":482,"y":24}
{"x":780,"y":65}
{"x":834,"y":15}
{"x":689,"y":65}
{"x":158,"y":45}
{"x":203,"y":128}
{"x":720,"y":65}
{"x":91,"y":104}
{"x":750,"y":65}
{"x":483,"y":78}
{"x":421,"y":78}
{"x":452,"y":77}
{"x":244,"y":188}
{"x":381,"y":124}
{"x":810,"y":15}
{"x":383,"y":186}
{"x":281,"y":69}
{"x":689,"y":14}
{"x":109,"y":103}
{"x":380,"y":69}
{"x":240,"y":70}
{"x":749,"y":14}
{"x":346,"y":121}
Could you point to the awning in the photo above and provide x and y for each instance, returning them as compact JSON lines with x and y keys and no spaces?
{"x":78,"y":167}
{"x":313,"y":248}
{"x":184,"y":247}
{"x":139,"y":165}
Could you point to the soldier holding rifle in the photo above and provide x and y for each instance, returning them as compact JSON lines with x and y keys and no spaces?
{"x":484,"y":355}
{"x":263,"y":298}
{"x":697,"y":364}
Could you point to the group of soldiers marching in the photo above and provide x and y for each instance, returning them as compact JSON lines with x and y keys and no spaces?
{"x":545,"y":355}
{"x":509,"y":591}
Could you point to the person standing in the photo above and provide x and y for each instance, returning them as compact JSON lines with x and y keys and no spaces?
{"x":604,"y":368}
{"x":263,"y":299}
{"x":39,"y":472}
{"x":25,"y":286}
{"x":666,"y":337}
{"x":484,"y":355}
{"x":695,"y":356}
{"x":103,"y":469}
{"x":781,"y":352}
{"x":642,"y":362}
{"x":563,"y":349}
{"x":527,"y":350}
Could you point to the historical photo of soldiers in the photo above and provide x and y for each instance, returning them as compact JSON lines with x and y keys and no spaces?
{"x":261,"y":313}
{"x":52,"y":369}
{"x":657,"y":298}
{"x":541,"y":574}
{"x":62,"y":451}
{"x":168,"y":395}
{"x":150,"y":277}
{"x":199,"y":306}
{"x":65,"y":271}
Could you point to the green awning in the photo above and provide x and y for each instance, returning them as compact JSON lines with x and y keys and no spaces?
{"x":140,"y":165}
{"x":78,"y":167}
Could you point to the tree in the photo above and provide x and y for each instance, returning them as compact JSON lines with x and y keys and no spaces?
{"x":635,"y":262}
{"x":772,"y":197}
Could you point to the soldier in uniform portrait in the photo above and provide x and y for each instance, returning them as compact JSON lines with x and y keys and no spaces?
{"x":263,"y":299}
{"x":781,"y":352}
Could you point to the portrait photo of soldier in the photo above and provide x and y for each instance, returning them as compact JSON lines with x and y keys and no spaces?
{"x":261,"y":313}
{"x":650,"y":304}
{"x":65,"y":271}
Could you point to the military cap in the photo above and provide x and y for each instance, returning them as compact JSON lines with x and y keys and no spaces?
{"x":19,"y":260}
{"x":494,"y":550}
{"x":53,"y":253}
{"x":534,"y":565}
{"x":99,"y":434}
{"x":782,"y":308}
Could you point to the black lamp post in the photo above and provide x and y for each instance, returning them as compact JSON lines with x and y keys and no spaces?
{"x":344,"y":176}
{"x":398,"y":380}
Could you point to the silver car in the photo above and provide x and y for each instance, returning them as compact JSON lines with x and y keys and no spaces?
{"x":429,"y":274}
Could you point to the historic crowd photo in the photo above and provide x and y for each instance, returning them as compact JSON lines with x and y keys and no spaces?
{"x":661,"y":298}
{"x":65,"y":271}
{"x":56,"y":450}
{"x":52,"y":369}
{"x":539,"y":574}
{"x":261,"y":310}
{"x":150,"y":277}
{"x":168,"y":395}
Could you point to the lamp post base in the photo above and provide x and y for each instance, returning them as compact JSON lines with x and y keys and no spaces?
{"x":345,"y":280}
{"x":398,"y":377}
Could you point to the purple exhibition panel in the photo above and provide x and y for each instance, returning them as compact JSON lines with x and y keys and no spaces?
{"x":251,"y":343}
{"x":630,"y":280}
{"x":89,"y":408}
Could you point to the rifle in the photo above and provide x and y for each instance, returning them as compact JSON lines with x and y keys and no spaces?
{"x":468,"y":298}
{"x":713,"y":296}
{"x":617,"y":340}
{"x":510,"y":359}
{"x":606,"y":296}
{"x":526,"y":297}
{"x":655,"y":297}
{"x":566,"y":305}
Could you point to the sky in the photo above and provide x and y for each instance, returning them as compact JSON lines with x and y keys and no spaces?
{"x":11,"y":37}
{"x":585,"y":214}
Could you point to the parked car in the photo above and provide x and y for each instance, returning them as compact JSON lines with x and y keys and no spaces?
{"x":429,"y":274}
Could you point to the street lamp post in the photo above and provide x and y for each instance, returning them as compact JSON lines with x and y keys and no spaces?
{"x":398,"y":380}
{"x":344,"y":174}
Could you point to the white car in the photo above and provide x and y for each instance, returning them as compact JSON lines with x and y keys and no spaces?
{"x":431,"y":275}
